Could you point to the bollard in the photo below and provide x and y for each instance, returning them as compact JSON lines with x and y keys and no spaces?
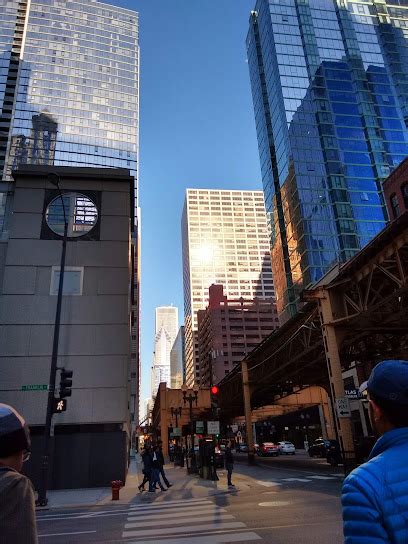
{"x":116,"y":485}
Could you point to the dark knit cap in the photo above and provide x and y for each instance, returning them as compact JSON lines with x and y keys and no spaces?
{"x":14,"y":433}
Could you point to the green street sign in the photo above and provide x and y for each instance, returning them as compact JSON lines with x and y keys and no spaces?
{"x":35,"y":387}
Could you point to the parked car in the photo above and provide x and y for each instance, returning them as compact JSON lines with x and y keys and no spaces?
{"x":219,"y":456}
{"x":333,"y":456}
{"x":268,"y":448}
{"x":243,"y":448}
{"x":321,"y":447}
{"x":287,"y":448}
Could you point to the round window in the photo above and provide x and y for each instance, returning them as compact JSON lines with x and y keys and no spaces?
{"x":80,"y":212}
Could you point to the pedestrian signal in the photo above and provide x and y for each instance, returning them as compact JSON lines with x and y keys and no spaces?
{"x":60,"y":405}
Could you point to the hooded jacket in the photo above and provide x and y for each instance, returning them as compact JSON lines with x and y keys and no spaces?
{"x":17,"y":508}
{"x":375,"y":495}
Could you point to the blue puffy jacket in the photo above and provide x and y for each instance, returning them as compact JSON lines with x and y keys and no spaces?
{"x":375,"y":495}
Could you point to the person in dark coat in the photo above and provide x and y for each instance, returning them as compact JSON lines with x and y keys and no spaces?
{"x":229,"y":463}
{"x":375,"y":495}
{"x":155,"y":479}
{"x":147,"y":467}
{"x":161,"y":462}
{"x":17,"y":504}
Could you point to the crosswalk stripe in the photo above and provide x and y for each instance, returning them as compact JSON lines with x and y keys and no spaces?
{"x":167,"y":507}
{"x":316,"y":477}
{"x":295,"y":480}
{"x":176,"y":501}
{"x":267,"y":484}
{"x":186,"y":520}
{"x":166,"y":514}
{"x":211,"y":539}
{"x":181,"y":530}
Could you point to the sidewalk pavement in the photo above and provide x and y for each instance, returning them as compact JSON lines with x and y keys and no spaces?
{"x":184,"y":486}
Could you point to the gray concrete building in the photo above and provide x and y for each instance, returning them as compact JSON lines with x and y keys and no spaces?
{"x":91,"y":439}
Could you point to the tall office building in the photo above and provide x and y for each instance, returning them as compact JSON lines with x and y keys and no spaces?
{"x":330,"y":91}
{"x":177,"y":361}
{"x":225,"y":240}
{"x":166,"y":327}
{"x":167,"y":318}
{"x":69,"y":96}
{"x":228,"y":330}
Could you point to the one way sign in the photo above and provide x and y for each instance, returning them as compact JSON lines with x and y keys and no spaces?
{"x":343,"y":407}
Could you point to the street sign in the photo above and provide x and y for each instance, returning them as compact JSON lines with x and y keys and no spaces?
{"x":343,"y":407}
{"x":213,"y":427}
{"x":199,"y":427}
{"x":352,"y":393}
{"x":175,"y":432}
{"x":34,"y":387}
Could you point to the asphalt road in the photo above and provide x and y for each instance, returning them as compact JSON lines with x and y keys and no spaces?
{"x":300,"y":461}
{"x":271,"y":504}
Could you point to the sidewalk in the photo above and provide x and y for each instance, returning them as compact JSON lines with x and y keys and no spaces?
{"x":184,"y":486}
{"x":96,"y":496}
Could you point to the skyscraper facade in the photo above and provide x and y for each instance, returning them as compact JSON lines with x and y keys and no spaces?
{"x":225,"y":240}
{"x":330,"y":92}
{"x":177,"y":361}
{"x":69,"y":96}
{"x":166,"y":328}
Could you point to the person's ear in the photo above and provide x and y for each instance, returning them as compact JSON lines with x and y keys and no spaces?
{"x":376,"y":410}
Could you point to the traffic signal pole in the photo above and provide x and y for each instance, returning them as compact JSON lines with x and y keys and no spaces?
{"x":42,"y":492}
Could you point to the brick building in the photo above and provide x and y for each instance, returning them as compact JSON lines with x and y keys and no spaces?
{"x":228,"y":330}
{"x":396,"y":191}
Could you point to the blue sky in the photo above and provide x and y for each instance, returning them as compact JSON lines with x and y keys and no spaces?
{"x":196,"y":130}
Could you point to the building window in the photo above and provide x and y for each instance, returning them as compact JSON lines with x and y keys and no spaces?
{"x":73,"y":280}
{"x":404,"y":191}
{"x":80,"y":212}
{"x":395,"y":206}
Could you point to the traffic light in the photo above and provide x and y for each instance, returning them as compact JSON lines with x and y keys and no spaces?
{"x":60,"y":405}
{"x":65,"y":383}
{"x":214,"y":401}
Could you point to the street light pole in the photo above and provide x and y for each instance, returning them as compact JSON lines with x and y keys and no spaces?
{"x":176,"y":412}
{"x":190,"y":398}
{"x":42,"y":494}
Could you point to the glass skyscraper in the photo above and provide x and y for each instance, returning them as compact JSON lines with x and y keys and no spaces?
{"x":69,"y":87}
{"x":330,"y":90}
{"x":69,"y":96}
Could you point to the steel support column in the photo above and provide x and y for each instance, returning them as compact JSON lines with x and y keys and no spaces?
{"x":331,"y":342}
{"x":248,"y":413}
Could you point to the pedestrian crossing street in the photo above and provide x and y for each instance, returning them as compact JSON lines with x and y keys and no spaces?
{"x":308,"y":478}
{"x":189,"y":521}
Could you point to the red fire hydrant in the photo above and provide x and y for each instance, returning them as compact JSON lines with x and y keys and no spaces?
{"x":116,"y":485}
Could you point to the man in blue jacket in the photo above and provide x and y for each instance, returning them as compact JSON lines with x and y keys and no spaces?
{"x":375,"y":495}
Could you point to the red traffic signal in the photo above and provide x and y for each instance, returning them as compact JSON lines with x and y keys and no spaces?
{"x":214,"y":390}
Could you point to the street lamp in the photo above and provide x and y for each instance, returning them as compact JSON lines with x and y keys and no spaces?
{"x":176,"y":412}
{"x":54,"y":179}
{"x":190,"y":398}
